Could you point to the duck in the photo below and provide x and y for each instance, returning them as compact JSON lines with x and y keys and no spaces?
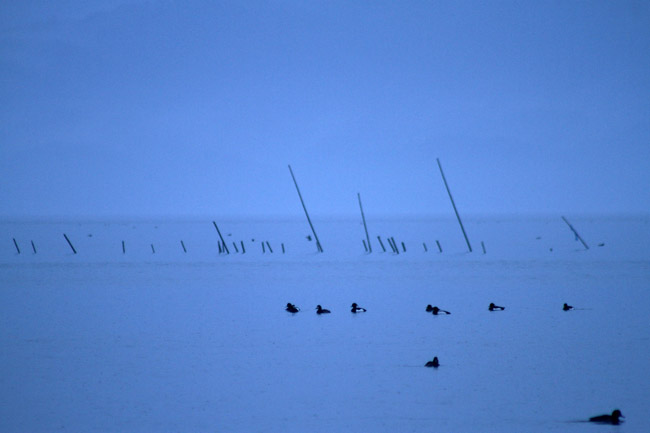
{"x":291,"y":308}
{"x":357,"y":309}
{"x":429,"y":308}
{"x":434,"y":363}
{"x":567,"y":307}
{"x":321,"y":310}
{"x":608,"y":419}
{"x":493,"y":307}
{"x":435,"y":311}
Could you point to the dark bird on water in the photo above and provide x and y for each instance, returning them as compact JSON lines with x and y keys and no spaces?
{"x":493,"y":307}
{"x":357,"y":309}
{"x":567,"y":307}
{"x":321,"y":310}
{"x":608,"y":419}
{"x":291,"y":308}
{"x":435,"y":311}
{"x":434,"y":363}
{"x":429,"y":308}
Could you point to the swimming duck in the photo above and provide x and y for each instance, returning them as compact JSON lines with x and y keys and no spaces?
{"x":291,"y":308}
{"x":608,"y":419}
{"x":493,"y":307}
{"x":435,"y":311}
{"x":429,"y":308}
{"x":567,"y":307}
{"x":321,"y":310}
{"x":357,"y":309}
{"x":434,"y":363}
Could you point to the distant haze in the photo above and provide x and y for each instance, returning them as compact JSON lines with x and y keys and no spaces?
{"x":195,"y":108}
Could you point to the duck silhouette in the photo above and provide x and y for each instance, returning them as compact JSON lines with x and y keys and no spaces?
{"x":567,"y":307}
{"x":321,"y":310}
{"x":434,"y":363}
{"x":435,"y":311}
{"x":429,"y":308}
{"x":291,"y":308}
{"x":357,"y":309}
{"x":608,"y":419}
{"x":493,"y":307}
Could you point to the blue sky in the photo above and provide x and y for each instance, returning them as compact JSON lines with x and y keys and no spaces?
{"x":195,"y":108}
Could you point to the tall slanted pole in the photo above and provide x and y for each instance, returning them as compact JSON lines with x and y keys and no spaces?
{"x":576,"y":233}
{"x":225,"y":247}
{"x":454,"y":205}
{"x":363,"y":217}
{"x":318,"y":245}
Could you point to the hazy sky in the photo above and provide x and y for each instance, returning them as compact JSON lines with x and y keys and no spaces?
{"x":142,"y":108}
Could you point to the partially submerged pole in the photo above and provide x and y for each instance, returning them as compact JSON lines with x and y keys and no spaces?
{"x":183,"y":245}
{"x":123,"y":248}
{"x":439,"y":246}
{"x":365,"y":227}
{"x":69,"y":243}
{"x":16,"y":244}
{"x":576,"y":233}
{"x":33,"y":247}
{"x":381,"y":243}
{"x":318,"y":245}
{"x":454,"y":205}
{"x":225,"y":247}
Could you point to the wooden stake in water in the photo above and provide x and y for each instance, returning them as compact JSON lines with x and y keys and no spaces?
{"x":483,"y":246}
{"x":393,"y":245}
{"x":16,"y":244}
{"x":576,"y":233}
{"x":439,"y":247}
{"x":263,"y":247}
{"x":283,"y":248}
{"x":153,"y":250}
{"x":403,"y":247}
{"x":123,"y":248}
{"x":243,"y":250}
{"x":454,"y":205}
{"x":225,"y":247}
{"x":269,"y":245}
{"x":381,"y":243}
{"x":365,"y":227}
{"x":318,"y":245}
{"x":33,"y":247}
{"x":69,"y":243}
{"x":183,"y":245}
{"x":424,"y":244}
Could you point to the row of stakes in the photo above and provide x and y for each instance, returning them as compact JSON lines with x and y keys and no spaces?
{"x":266,"y":246}
{"x":223,"y":247}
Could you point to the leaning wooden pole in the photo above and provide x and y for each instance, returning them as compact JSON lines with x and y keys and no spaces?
{"x":363,"y":217}
{"x":225,"y":247}
{"x":454,"y":205}
{"x":318,"y":245}
{"x":69,"y":243}
{"x":576,"y":233}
